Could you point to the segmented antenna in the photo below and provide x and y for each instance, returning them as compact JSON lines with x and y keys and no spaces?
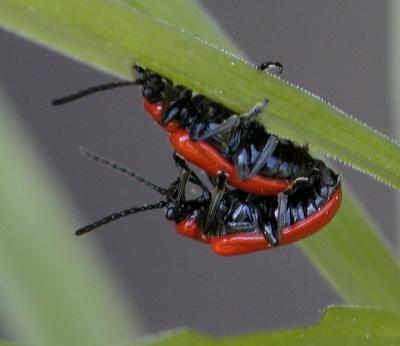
{"x":121,"y":169}
{"x":118,"y":215}
{"x":93,"y":90}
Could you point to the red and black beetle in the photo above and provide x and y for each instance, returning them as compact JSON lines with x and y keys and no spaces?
{"x":235,"y":222}
{"x":214,"y":138}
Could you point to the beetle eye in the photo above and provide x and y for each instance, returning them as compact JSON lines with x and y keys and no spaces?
{"x":147,"y":92}
{"x":170,"y":213}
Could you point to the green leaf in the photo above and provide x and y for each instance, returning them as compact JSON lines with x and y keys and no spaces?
{"x":111,"y":35}
{"x":359,"y":265}
{"x":345,"y":326}
{"x":54,"y":290}
{"x":186,"y":14}
{"x":114,"y":34}
{"x":352,"y":256}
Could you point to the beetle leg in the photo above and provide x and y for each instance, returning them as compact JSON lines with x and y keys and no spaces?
{"x":166,"y":100}
{"x":179,"y":161}
{"x":268,"y":150}
{"x":254,"y":112}
{"x":222,"y":178}
{"x":235,"y":120}
{"x":264,"y":225}
{"x":241,"y":160}
{"x":193,"y":177}
{"x":232,"y":122}
{"x":182,"y":187}
{"x":185,"y":174}
{"x":282,"y":208}
{"x":283,"y":202}
{"x":269,"y":236}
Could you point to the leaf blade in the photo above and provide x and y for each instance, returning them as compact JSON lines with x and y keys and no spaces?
{"x":119,"y":35}
{"x":357,"y":261}
{"x":350,"y":325}
{"x":349,"y":253}
{"x":349,"y":217}
{"x":54,"y":290}
{"x":363,"y":272}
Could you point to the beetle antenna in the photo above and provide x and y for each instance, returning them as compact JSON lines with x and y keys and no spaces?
{"x":121,"y":169}
{"x":118,"y":215}
{"x":92,"y":90}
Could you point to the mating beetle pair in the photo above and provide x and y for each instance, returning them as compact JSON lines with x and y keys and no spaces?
{"x":279,"y":193}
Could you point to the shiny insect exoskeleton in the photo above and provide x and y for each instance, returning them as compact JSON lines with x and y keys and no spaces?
{"x":235,"y":222}
{"x":214,"y":138}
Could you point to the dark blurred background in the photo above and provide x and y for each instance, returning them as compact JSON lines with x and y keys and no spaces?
{"x":337,"y":49}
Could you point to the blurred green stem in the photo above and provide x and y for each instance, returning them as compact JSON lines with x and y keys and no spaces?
{"x":55,"y":290}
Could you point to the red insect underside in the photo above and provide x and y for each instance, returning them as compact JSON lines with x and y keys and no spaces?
{"x":242,"y":243}
{"x":206,"y":157}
